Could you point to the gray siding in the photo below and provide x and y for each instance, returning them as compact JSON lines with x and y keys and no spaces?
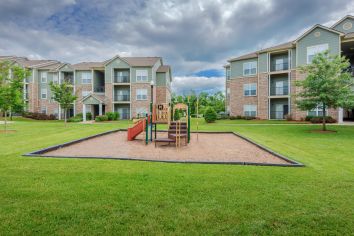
{"x":161,"y":79}
{"x":237,"y":67}
{"x":340,"y":26}
{"x":78,"y":75}
{"x":293,"y":58}
{"x":263,"y":61}
{"x":115,"y":64}
{"x":133,"y":73}
{"x":326,"y":37}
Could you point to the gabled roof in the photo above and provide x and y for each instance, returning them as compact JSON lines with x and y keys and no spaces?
{"x":113,"y":58}
{"x":88,"y":65}
{"x":341,"y":20}
{"x":164,"y":68}
{"x":279,"y":47}
{"x":247,"y":56}
{"x":141,"y":61}
{"x":100,"y":98}
{"x":318,"y":26}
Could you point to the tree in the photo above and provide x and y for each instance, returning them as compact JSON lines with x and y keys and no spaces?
{"x":210,"y":115}
{"x":11,"y":88}
{"x":327,"y":85}
{"x":63,"y":94}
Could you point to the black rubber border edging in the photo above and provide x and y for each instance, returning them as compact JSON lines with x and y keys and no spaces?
{"x":292,"y":163}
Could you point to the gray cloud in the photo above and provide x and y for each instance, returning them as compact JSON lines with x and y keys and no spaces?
{"x":190,"y":35}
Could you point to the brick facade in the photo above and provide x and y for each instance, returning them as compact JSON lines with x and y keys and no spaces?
{"x":237,"y":98}
{"x":262,"y":92}
{"x":135,"y":104}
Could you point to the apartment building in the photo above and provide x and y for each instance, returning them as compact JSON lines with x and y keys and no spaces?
{"x":123,"y":84}
{"x":262,"y":83}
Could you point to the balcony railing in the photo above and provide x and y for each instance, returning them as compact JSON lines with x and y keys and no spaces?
{"x":279,"y":66}
{"x":99,"y":89}
{"x":279,"y":90}
{"x":122,"y":98}
{"x":121,"y":79}
{"x":278,"y":115}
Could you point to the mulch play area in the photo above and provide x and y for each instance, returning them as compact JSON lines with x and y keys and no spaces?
{"x":217,"y":148}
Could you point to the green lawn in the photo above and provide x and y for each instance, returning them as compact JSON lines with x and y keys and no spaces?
{"x":87,"y":197}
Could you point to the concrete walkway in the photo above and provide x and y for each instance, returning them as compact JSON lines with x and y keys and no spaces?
{"x":3,"y":122}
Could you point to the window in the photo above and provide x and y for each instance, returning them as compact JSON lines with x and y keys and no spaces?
{"x":43,"y":77}
{"x":44,"y":93}
{"x":317,"y":111}
{"x":313,"y":50}
{"x":250,"y":68}
{"x":85,"y":93}
{"x":141,"y":75}
{"x":141,"y":94}
{"x":44,"y":110}
{"x":141,"y":111}
{"x":228,"y":73}
{"x":250,"y":110}
{"x":250,"y":89}
{"x":86,"y":78}
{"x":55,"y":78}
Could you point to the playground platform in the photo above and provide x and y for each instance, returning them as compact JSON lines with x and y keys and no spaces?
{"x":217,"y":148}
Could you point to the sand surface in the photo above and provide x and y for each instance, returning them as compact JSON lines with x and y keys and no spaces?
{"x":208,"y":147}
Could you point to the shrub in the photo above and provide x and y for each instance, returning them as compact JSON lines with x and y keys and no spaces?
{"x":177,"y":115}
{"x":75,"y":119}
{"x":318,"y":119}
{"x":101,"y":118}
{"x":250,"y":118}
{"x":112,"y":115}
{"x":210,"y":115}
{"x":288,"y":117}
{"x":88,"y":115}
{"x":39,"y":116}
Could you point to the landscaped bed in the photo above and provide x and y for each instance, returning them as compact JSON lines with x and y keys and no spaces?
{"x":224,"y":147}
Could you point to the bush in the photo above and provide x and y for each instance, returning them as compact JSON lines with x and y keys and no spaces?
{"x":39,"y":116}
{"x":318,"y":119}
{"x":101,"y":118}
{"x":210,"y":115}
{"x":288,"y":117}
{"x":112,"y":115}
{"x":88,"y":115}
{"x":249,"y":118}
{"x":177,"y":115}
{"x":74,"y":119}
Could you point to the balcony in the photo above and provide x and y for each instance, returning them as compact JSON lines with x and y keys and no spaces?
{"x":122,"y":98}
{"x":99,"y":89}
{"x":68,"y":80}
{"x":279,"y":90}
{"x":121,"y":79}
{"x":279,"y":66}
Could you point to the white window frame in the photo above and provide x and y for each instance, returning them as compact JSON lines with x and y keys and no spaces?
{"x":141,"y":94}
{"x":45,"y":110}
{"x":141,"y":111}
{"x":55,"y":78}
{"x":249,"y":88}
{"x":315,"y":49}
{"x":317,"y":110}
{"x":86,"y":77}
{"x":247,"y":109}
{"x":142,"y":75}
{"x":251,"y":65}
{"x":44,"y":91}
{"x":44,"y":78}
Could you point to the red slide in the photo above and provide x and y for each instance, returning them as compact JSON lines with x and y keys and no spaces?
{"x":136,"y":129}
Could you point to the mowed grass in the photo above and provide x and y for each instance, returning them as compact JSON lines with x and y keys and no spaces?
{"x":46,"y":196}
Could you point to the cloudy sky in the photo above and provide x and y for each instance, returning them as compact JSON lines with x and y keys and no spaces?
{"x":194,"y":37}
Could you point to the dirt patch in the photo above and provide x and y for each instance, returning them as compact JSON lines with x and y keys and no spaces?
{"x":7,"y":131}
{"x":208,"y":148}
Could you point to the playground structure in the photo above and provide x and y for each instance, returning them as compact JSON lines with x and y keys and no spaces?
{"x":178,"y":130}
